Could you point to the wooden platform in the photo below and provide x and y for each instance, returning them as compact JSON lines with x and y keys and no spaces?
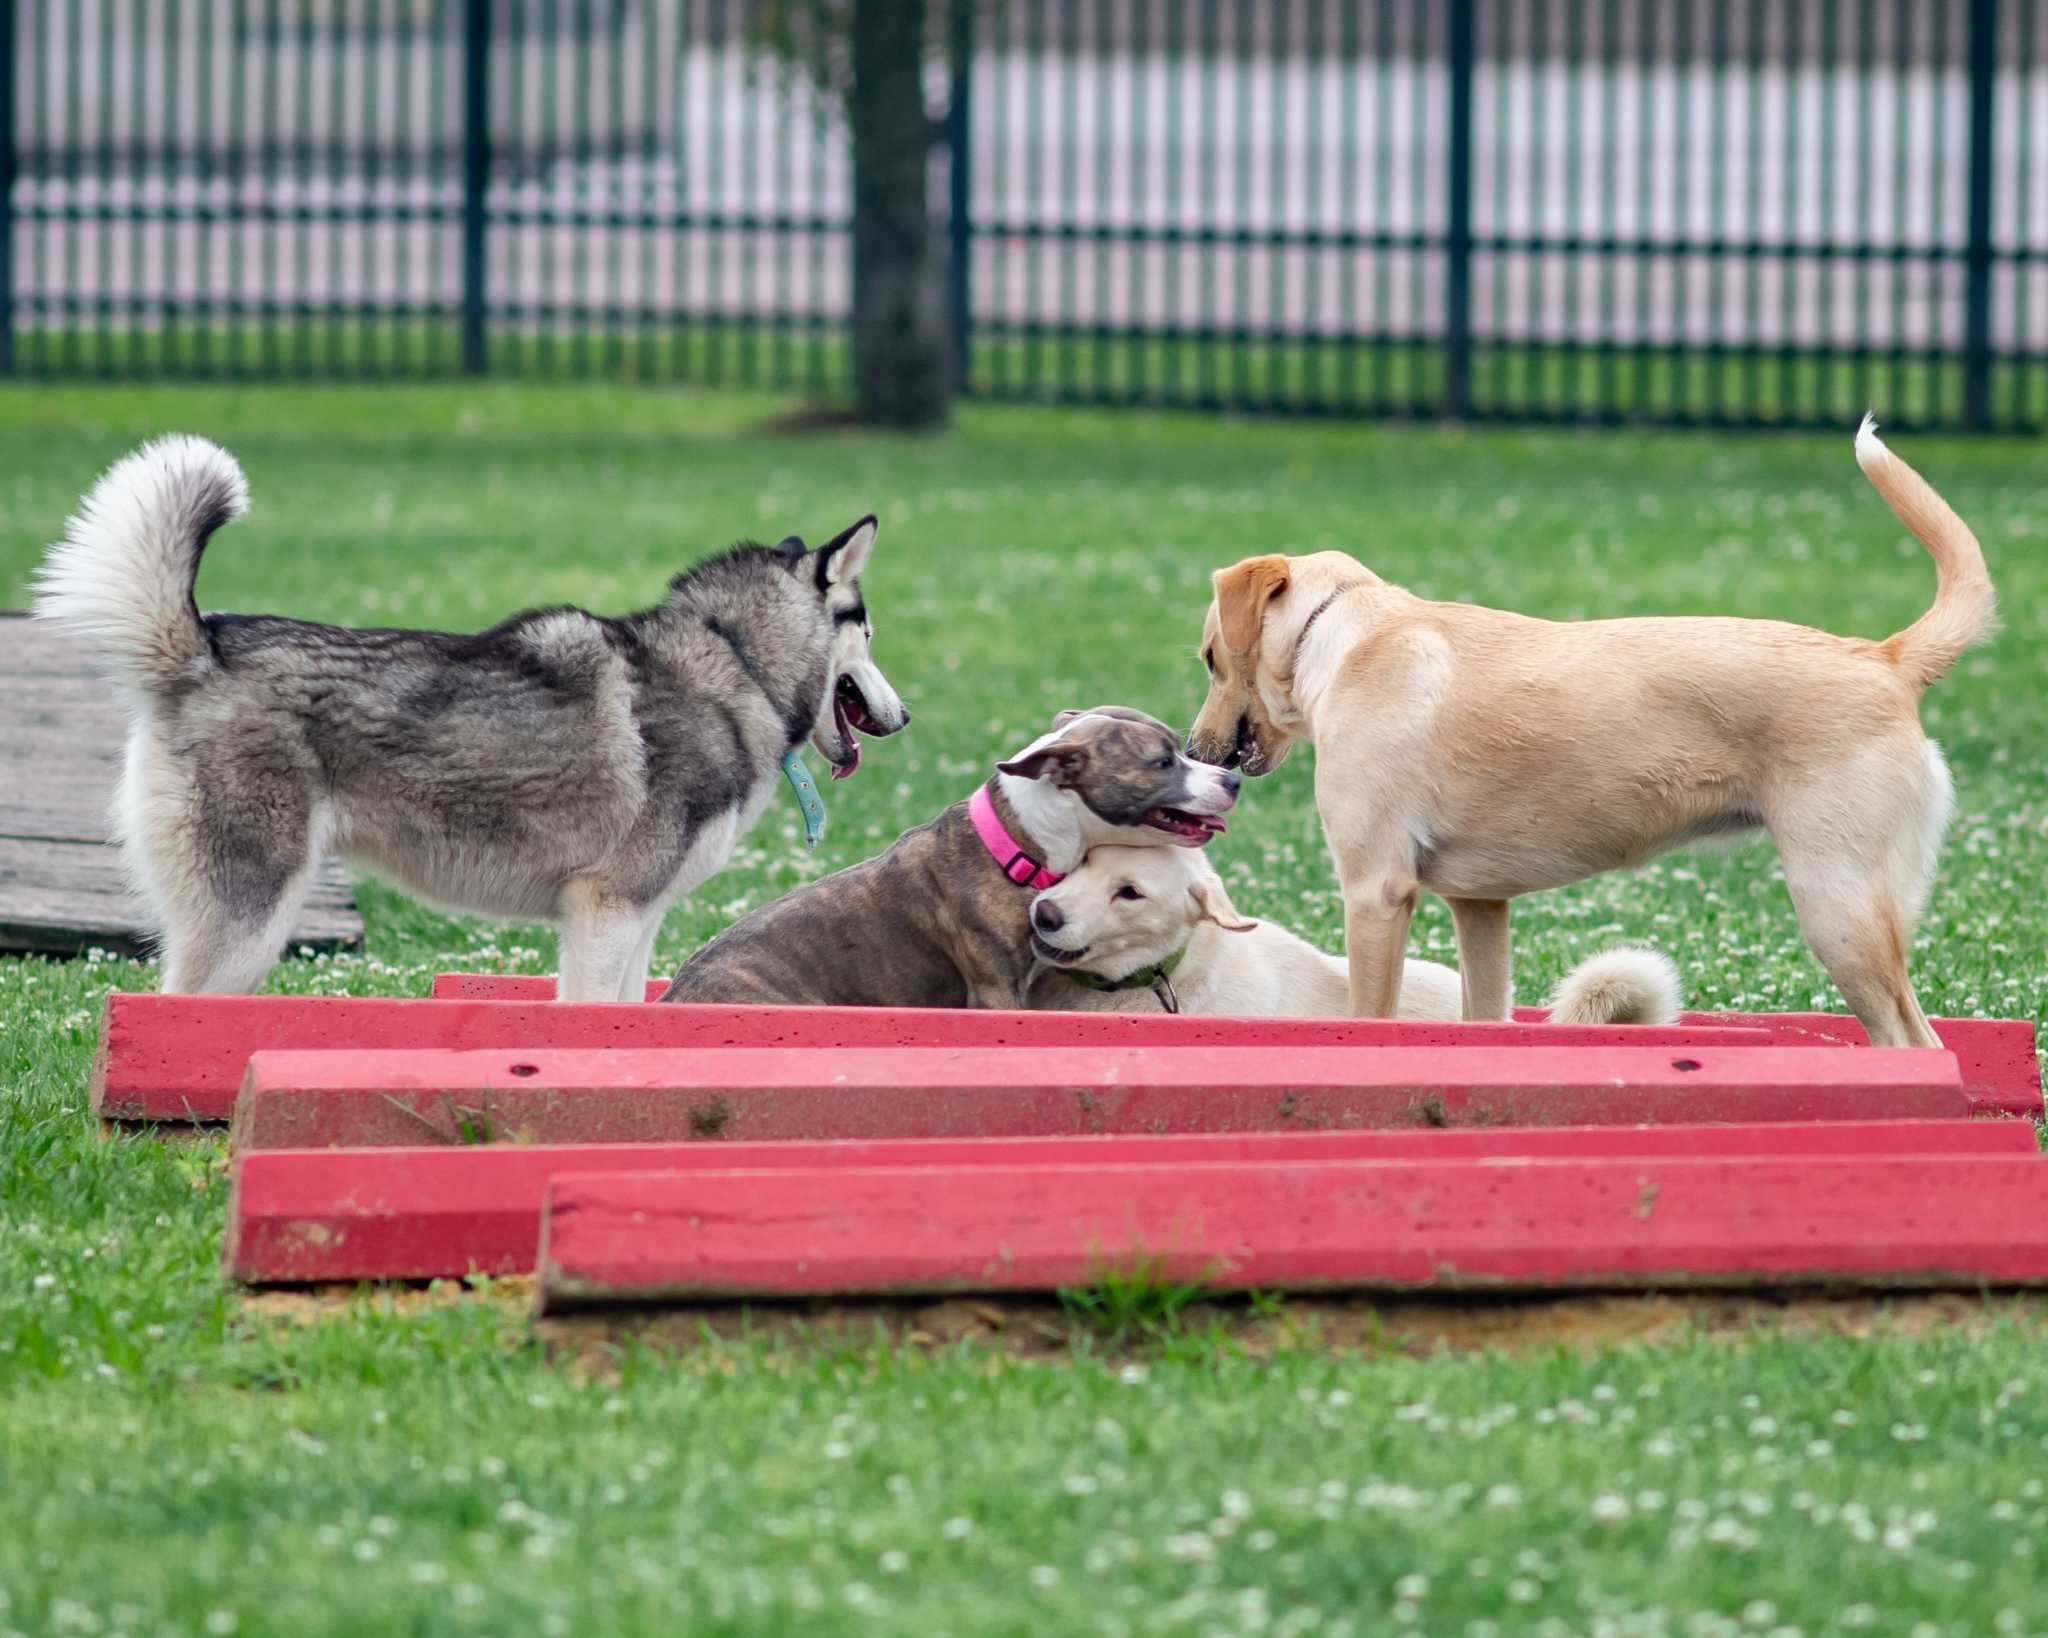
{"x":62,"y":889}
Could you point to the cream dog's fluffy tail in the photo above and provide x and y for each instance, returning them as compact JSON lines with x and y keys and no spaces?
{"x":1619,"y":987}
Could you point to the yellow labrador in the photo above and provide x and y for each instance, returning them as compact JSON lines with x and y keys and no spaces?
{"x":1480,"y":754}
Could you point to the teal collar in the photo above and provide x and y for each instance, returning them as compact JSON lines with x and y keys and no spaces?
{"x":1157,"y":978}
{"x":807,"y":797}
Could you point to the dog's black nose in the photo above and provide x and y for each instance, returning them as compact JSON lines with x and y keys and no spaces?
{"x":1231,"y":782}
{"x":1046,"y":917}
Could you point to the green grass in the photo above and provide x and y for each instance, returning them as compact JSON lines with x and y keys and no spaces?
{"x":173,"y":1459}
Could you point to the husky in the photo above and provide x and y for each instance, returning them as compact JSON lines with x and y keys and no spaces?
{"x":1140,"y":929}
{"x":941,"y":919}
{"x":561,"y":766}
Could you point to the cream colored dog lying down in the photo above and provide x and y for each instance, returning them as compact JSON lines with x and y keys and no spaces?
{"x":1479,"y":755}
{"x":1135,"y":927}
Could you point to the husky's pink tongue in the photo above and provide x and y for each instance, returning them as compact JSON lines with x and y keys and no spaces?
{"x":846,"y":737}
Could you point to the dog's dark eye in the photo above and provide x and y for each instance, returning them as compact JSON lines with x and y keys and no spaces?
{"x":1162,"y":762}
{"x":1209,"y":659}
{"x":1128,"y":892}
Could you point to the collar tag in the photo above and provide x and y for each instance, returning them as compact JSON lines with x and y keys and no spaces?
{"x":808,"y":801}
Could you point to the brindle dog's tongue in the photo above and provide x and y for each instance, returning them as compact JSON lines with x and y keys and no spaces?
{"x":1178,"y":823}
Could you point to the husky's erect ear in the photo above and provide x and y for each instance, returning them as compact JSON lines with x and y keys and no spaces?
{"x":843,"y":557}
{"x":1058,"y":762}
{"x":1243,"y":592}
{"x":1213,"y":904}
{"x":790,"y":549}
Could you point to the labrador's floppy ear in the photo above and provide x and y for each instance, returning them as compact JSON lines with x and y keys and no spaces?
{"x":843,"y":557}
{"x":1059,"y":761}
{"x":1213,"y":904}
{"x":1243,"y":592}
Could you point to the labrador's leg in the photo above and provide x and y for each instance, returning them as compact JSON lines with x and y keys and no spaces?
{"x":1376,"y":916}
{"x":1483,"y":964}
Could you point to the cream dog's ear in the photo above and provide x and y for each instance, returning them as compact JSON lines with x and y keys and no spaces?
{"x":1244,"y":591}
{"x":1213,"y":904}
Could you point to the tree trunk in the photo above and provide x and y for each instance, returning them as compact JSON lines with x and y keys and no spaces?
{"x":901,"y":340}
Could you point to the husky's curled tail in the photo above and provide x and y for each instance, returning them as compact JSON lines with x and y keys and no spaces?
{"x":122,"y":576}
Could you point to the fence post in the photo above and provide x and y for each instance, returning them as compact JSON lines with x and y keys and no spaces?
{"x":1977,"y":268}
{"x":8,"y":167}
{"x":1458,"y":235}
{"x":476,"y":176}
{"x":959,"y":175}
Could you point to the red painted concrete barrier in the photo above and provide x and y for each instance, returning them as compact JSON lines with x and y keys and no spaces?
{"x":317,"y":1099}
{"x":1297,"y":1225}
{"x":2001,"y":1069}
{"x":2000,"y":1066}
{"x":182,"y":1057}
{"x":300,"y":1215}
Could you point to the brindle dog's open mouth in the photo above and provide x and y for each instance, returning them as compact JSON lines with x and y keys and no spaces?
{"x":1057,"y":957}
{"x":850,"y":711}
{"x":1191,"y":828}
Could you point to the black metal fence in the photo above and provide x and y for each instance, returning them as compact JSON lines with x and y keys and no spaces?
{"x":1691,"y":211}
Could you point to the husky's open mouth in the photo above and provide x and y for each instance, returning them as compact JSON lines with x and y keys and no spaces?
{"x":1053,"y":954}
{"x":850,"y":712}
{"x":1188,"y":829}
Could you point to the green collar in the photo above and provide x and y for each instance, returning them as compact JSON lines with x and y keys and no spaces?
{"x":807,"y":797}
{"x":1154,"y":977}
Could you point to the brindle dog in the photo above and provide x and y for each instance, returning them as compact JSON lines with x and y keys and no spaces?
{"x":934,"y":921}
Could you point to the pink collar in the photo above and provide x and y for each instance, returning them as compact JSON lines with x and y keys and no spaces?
{"x":1016,"y":864}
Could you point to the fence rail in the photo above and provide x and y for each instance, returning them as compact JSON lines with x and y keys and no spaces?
{"x":1684,"y":211}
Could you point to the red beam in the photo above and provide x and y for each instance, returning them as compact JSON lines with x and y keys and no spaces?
{"x":619,"y":1095}
{"x":301,"y":1215}
{"x":181,"y":1057}
{"x":1999,"y":1063}
{"x":2001,"y":1069}
{"x":1296,"y":1225}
